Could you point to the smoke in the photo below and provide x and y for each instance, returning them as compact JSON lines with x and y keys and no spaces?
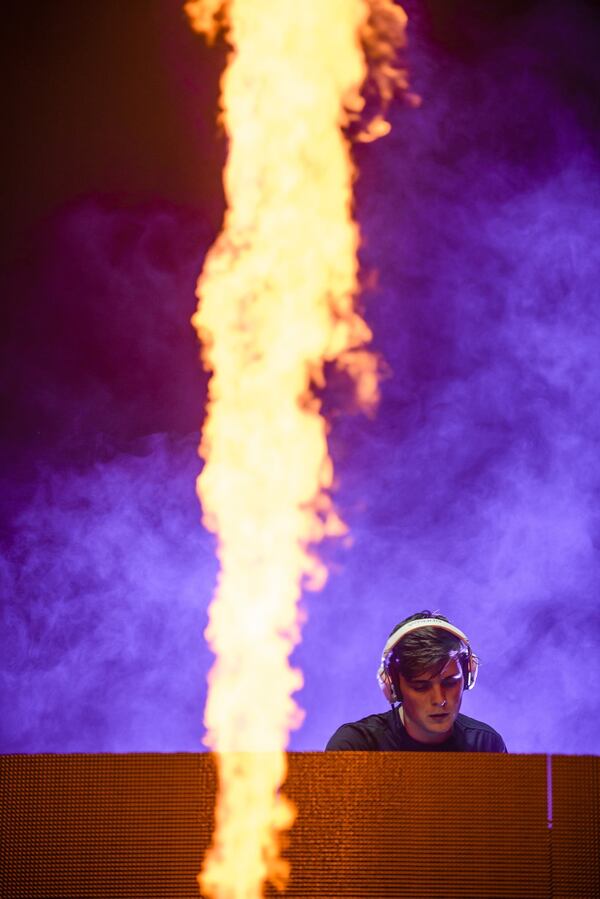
{"x":100,"y":317}
{"x":106,"y":572}
{"x":474,"y":491}
{"x":106,"y":594}
{"x":477,"y":493}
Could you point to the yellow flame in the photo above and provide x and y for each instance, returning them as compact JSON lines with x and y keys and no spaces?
{"x":276,"y":303}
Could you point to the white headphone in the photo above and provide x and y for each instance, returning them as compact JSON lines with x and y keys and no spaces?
{"x":470,"y":664}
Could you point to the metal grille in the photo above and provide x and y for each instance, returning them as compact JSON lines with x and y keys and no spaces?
{"x":369,"y":825}
{"x":576,"y":827}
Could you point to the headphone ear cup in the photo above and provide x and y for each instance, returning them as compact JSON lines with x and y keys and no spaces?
{"x":470,"y":666}
{"x":473,"y":669}
{"x":388,"y":688}
{"x":464,"y":663}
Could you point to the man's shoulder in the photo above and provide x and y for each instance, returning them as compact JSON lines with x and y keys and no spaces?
{"x":367,"y":734}
{"x":473,"y":724}
{"x":478,"y":736}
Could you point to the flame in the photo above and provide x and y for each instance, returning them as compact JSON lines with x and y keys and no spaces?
{"x":275,"y":304}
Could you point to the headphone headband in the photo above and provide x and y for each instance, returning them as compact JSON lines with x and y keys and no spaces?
{"x":416,"y":625}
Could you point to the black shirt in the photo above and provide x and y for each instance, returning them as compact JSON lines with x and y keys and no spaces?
{"x":385,"y":732}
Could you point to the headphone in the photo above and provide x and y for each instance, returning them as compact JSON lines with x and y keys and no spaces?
{"x":469,"y":664}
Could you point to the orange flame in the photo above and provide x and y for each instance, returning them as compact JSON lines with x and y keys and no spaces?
{"x":276,"y":303}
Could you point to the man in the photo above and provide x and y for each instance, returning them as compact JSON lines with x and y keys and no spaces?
{"x":426,"y":665}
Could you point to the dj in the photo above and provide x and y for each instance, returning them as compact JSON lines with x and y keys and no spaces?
{"x":426,"y":665}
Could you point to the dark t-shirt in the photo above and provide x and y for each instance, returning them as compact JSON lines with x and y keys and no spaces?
{"x":385,"y":732}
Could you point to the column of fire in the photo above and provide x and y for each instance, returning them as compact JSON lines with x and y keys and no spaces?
{"x":275,"y":303}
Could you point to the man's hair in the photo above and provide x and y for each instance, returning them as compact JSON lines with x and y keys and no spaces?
{"x":427,"y":647}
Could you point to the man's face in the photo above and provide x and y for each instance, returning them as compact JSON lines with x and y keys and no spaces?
{"x":431,"y":702}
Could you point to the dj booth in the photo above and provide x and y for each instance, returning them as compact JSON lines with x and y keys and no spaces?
{"x":369,"y":825}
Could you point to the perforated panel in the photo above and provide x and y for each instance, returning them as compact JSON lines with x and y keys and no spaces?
{"x":369,"y":825}
{"x":576,"y":826}
{"x":104,"y":826}
{"x":409,"y":824}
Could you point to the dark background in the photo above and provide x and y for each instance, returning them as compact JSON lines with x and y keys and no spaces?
{"x":474,"y":491}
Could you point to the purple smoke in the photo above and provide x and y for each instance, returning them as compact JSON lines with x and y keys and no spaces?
{"x":474,"y":490}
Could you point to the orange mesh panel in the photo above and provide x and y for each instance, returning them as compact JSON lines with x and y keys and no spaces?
{"x":369,"y":825}
{"x":80,"y":826}
{"x":418,"y":825}
{"x":576,"y":826}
